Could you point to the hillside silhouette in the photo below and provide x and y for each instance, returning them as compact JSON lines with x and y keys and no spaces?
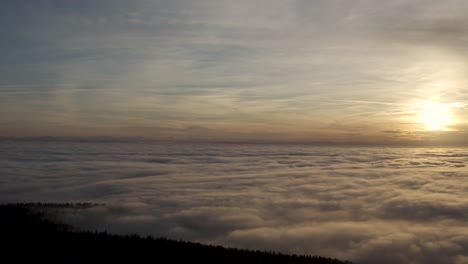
{"x":29,"y":236}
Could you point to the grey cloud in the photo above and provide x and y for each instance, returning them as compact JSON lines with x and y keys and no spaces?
{"x":418,"y":23}
{"x":423,"y":210}
{"x":393,"y":131}
{"x":370,"y":205}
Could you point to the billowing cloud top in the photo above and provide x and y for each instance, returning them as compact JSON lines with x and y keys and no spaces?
{"x":285,"y":71}
{"x":370,"y":205}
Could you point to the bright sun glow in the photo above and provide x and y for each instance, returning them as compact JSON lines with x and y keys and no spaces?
{"x":436,"y":116}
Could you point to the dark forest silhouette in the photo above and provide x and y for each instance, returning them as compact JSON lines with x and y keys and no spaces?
{"x":29,"y":236}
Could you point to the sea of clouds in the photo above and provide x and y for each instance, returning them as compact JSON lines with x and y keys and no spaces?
{"x":366,"y":204}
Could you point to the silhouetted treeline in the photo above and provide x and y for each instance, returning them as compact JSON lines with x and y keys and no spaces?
{"x":29,"y":236}
{"x":54,"y":205}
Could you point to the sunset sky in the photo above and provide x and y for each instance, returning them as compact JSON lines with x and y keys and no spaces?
{"x":383,"y":72}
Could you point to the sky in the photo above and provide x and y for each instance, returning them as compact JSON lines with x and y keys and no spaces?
{"x":380,"y":72}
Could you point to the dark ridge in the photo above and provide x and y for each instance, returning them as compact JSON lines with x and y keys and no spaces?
{"x":29,"y":236}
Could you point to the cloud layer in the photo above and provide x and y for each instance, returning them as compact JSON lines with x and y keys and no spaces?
{"x":372,"y":205}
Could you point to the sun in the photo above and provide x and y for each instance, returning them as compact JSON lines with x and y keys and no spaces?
{"x":436,"y":116}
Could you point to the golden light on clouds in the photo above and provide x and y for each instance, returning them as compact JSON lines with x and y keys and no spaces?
{"x":438,"y":116}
